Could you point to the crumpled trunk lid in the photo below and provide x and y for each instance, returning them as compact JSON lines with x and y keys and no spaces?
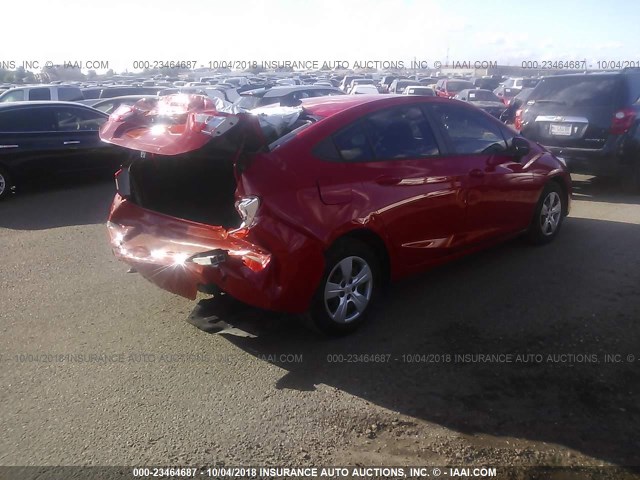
{"x":176,"y":124}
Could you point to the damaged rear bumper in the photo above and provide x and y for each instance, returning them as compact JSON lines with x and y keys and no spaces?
{"x":182,"y":257}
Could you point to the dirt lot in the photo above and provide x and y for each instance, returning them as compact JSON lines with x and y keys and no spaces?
{"x":153,"y":389}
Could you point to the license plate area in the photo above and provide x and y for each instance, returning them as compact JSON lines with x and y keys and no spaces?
{"x":560,"y":129}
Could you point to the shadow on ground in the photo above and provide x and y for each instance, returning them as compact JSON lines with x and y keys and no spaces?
{"x":604,"y":189}
{"x":80,"y":200}
{"x":578,"y":296}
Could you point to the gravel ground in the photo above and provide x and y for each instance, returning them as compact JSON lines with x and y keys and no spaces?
{"x":153,"y":389}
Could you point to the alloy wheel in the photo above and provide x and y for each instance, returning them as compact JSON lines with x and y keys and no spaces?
{"x":550,"y":213}
{"x":348,"y":289}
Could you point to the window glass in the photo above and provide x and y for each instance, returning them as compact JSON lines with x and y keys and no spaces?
{"x":578,"y":91}
{"x":70,"y":94}
{"x":470,"y":132}
{"x":70,"y":119}
{"x":482,"y":96}
{"x":39,"y":94}
{"x":27,"y":120}
{"x":353,"y":144}
{"x":15,"y":96}
{"x":401,"y":133}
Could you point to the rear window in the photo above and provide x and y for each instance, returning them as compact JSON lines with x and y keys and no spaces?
{"x":70,"y":94}
{"x":584,"y":91}
{"x":455,"y":86}
{"x":482,"y":96}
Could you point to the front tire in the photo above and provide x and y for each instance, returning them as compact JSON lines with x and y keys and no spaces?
{"x":548,"y":215}
{"x":348,"y":287}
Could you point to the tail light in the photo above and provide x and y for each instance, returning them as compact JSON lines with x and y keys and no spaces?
{"x":518,"y":120}
{"x":622,"y":121}
{"x":247,"y":207}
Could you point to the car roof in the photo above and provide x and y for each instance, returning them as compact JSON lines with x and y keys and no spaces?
{"x":48,"y":103}
{"x":332,"y":104}
{"x":123,"y":97}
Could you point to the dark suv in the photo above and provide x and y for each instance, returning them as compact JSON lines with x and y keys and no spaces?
{"x":590,"y":121}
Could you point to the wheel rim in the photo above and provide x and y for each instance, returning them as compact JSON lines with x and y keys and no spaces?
{"x":550,"y":214}
{"x":347,"y":292}
{"x":3,"y":184}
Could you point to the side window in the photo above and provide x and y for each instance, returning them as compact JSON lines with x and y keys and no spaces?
{"x":27,"y":120}
{"x":70,"y":119}
{"x":15,"y":96}
{"x":401,"y":133}
{"x":70,"y":94}
{"x":107,"y":107}
{"x":39,"y":94}
{"x":352,"y":143}
{"x":469,"y":131}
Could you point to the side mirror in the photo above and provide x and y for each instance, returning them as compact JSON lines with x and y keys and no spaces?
{"x":520,"y":147}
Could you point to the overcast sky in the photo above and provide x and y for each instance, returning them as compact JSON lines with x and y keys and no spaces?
{"x":121,"y":31}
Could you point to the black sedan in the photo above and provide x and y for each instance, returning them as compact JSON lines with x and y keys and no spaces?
{"x":40,"y":139}
{"x":483,"y":99}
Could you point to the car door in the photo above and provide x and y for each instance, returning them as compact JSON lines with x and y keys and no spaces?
{"x":394,"y":158}
{"x":79,"y":141}
{"x":28,"y":141}
{"x":498,"y":186}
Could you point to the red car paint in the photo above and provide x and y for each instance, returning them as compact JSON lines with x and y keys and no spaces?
{"x":450,"y":88}
{"x":420,"y":211}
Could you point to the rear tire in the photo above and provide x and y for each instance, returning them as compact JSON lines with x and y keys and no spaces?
{"x":548,"y":215}
{"x":5,"y":184}
{"x":347,"y":290}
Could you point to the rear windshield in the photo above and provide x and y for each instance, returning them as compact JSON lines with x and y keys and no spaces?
{"x":482,"y":96}
{"x":421,"y":91}
{"x":586,"y":91}
{"x":456,"y":86}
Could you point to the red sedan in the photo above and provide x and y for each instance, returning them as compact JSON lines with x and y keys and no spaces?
{"x":313,"y":208}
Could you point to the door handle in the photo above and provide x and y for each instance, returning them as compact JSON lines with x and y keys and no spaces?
{"x":9,"y":146}
{"x":476,"y":173}
{"x":387,"y":180}
{"x":71,"y":142}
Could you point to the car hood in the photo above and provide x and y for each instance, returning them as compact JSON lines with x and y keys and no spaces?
{"x":177,"y":124}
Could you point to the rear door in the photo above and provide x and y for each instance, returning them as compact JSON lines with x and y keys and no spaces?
{"x":28,"y":141}
{"x":78,"y":140}
{"x":395,"y":158}
{"x":573,"y":111}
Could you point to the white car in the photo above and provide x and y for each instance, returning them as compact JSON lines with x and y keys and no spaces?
{"x":364,"y":89}
{"x":68,"y":93}
{"x":419,"y":90}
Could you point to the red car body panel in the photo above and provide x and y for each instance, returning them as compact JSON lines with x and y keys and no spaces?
{"x":423,"y":213}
